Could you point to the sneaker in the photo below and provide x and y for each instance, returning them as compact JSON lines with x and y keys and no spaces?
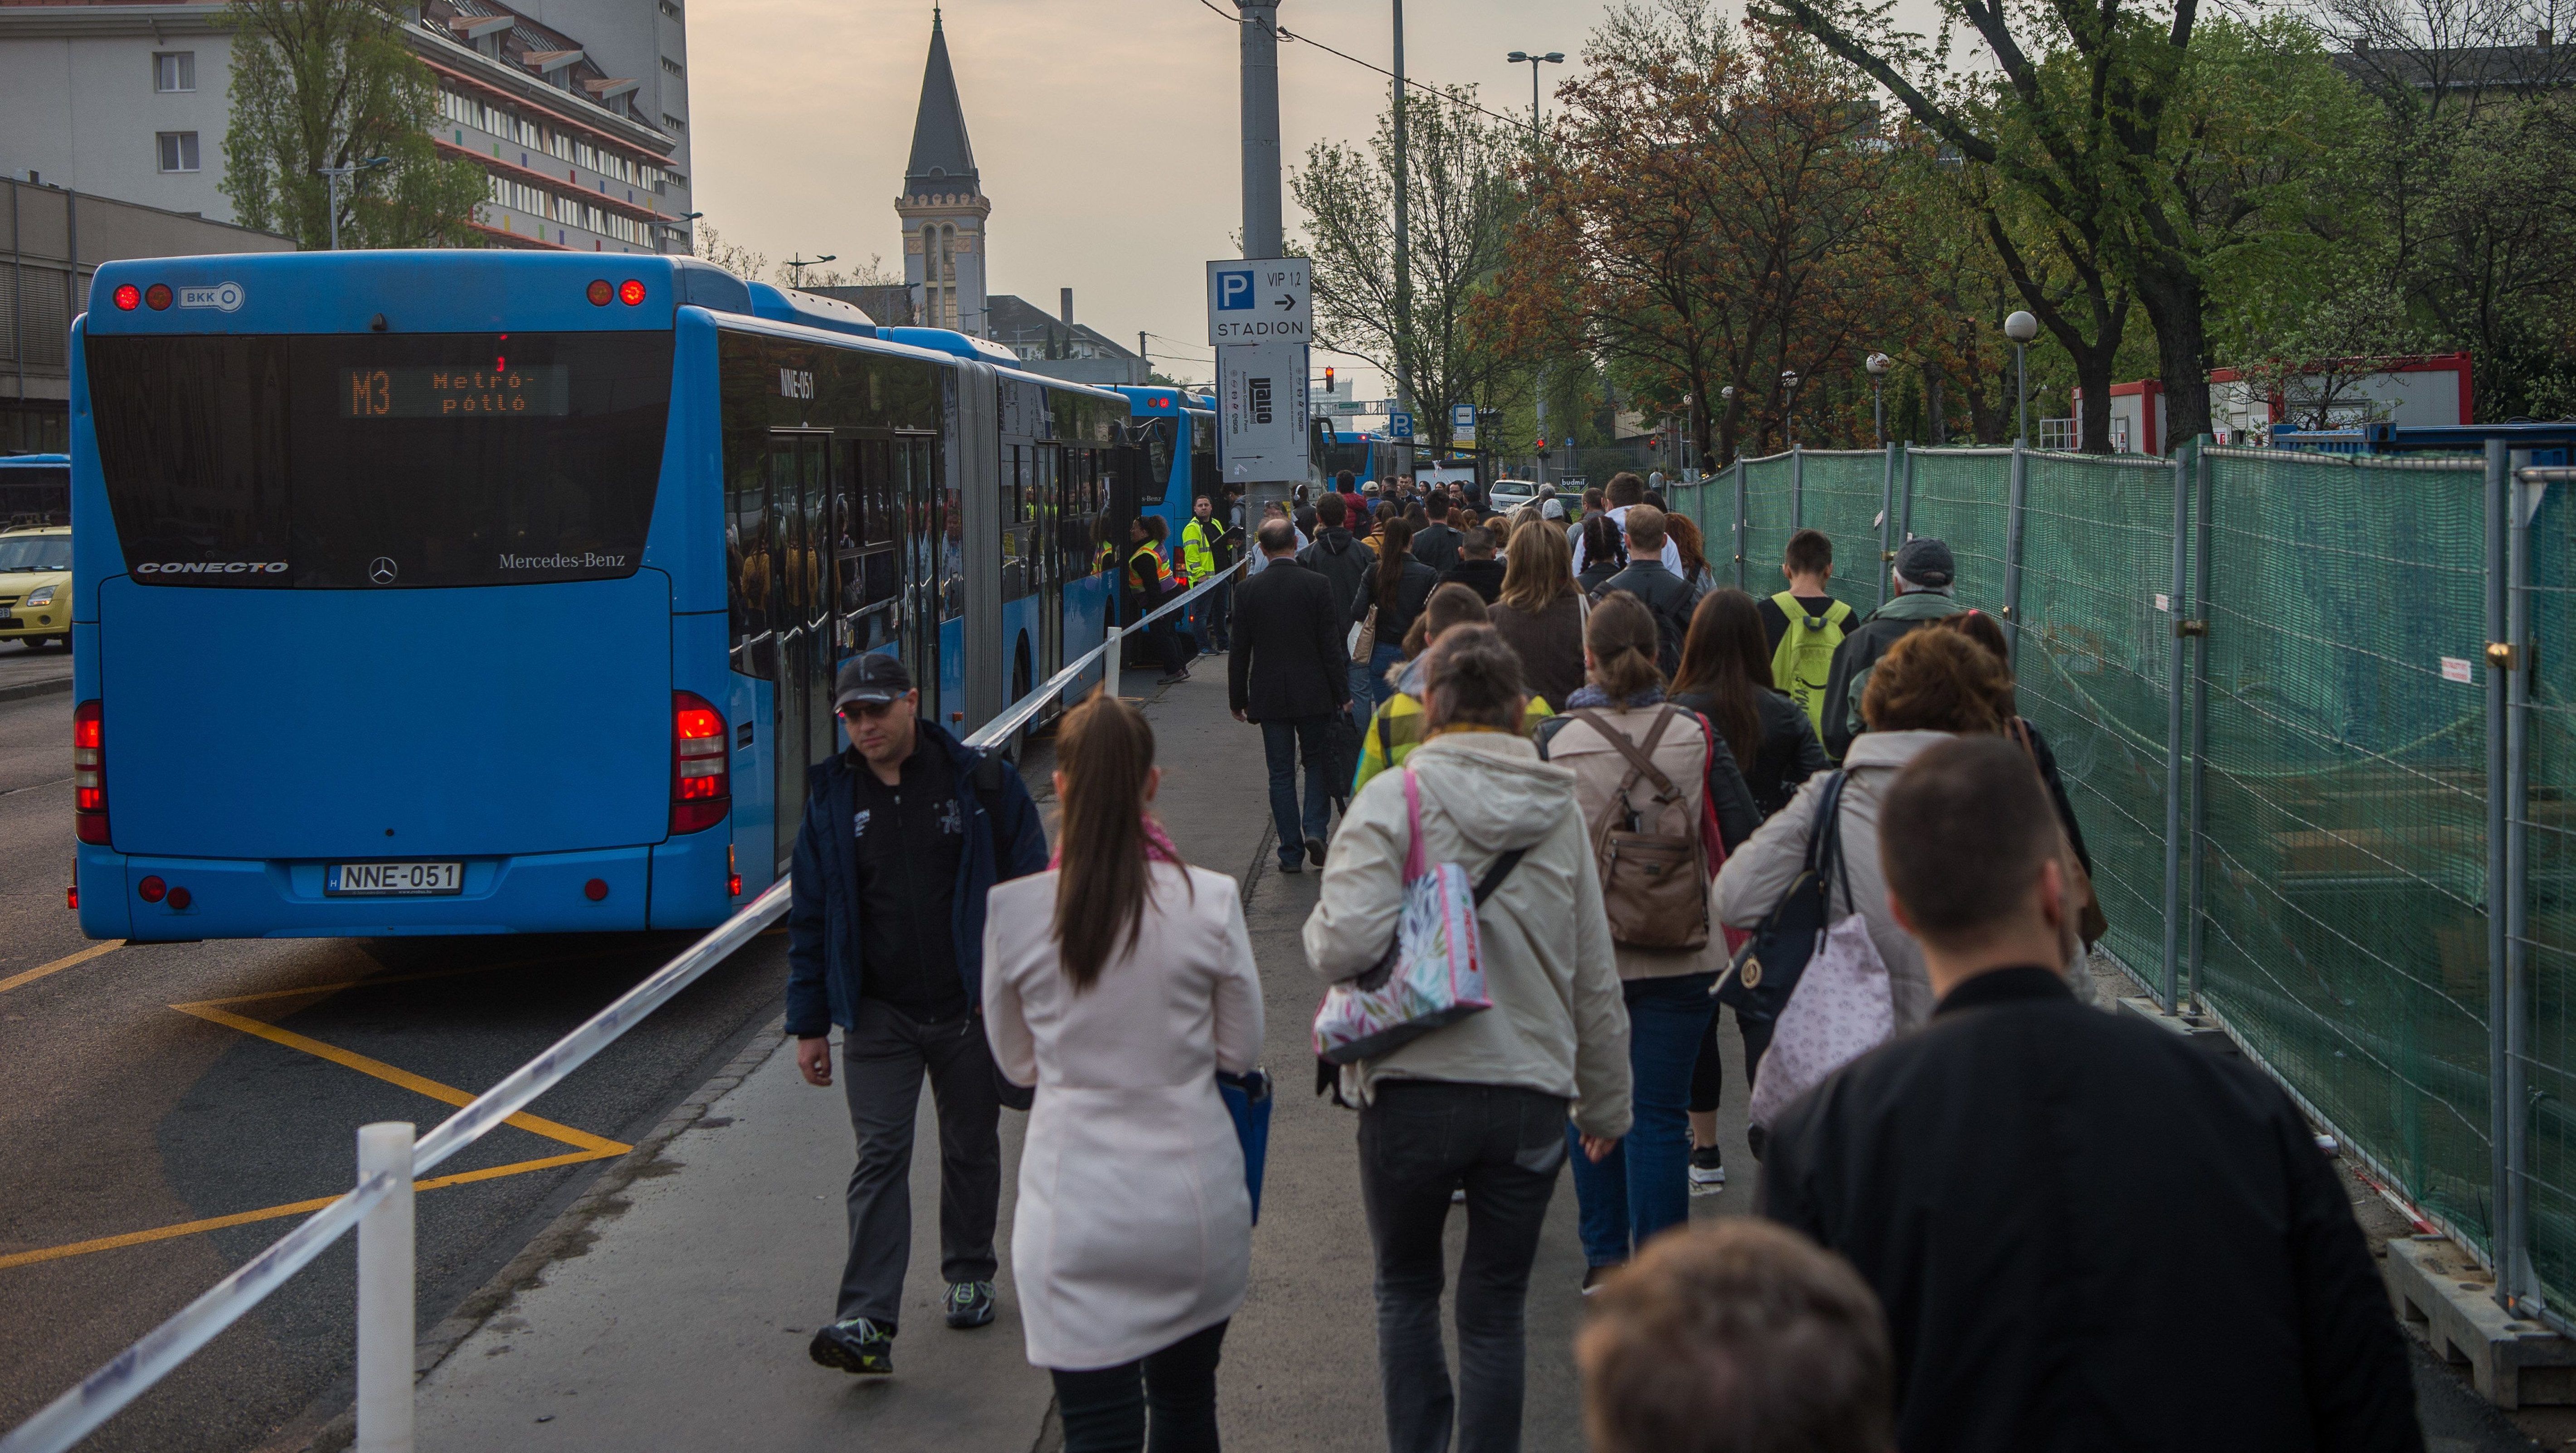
{"x":1315,"y":851}
{"x":970,"y":1303}
{"x":1707,"y":1171}
{"x":854,"y":1345}
{"x":1292,"y":864}
{"x":1594,"y":1276}
{"x":1174,"y":678}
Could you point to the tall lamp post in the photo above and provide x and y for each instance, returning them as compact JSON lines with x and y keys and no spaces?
{"x":1533,"y":60}
{"x":1789,"y":415}
{"x":796,"y":267}
{"x":1726,"y":403}
{"x":2021,"y":328}
{"x":1876,"y":363}
{"x":331,"y":178}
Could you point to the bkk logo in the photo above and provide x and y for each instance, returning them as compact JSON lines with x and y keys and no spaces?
{"x":214,"y":567}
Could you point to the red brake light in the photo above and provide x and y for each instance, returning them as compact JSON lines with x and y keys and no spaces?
{"x":601,"y":292}
{"x":701,"y":777}
{"x":158,"y":295}
{"x":128,"y":297}
{"x":89,"y":772}
{"x":151,"y":890}
{"x":630,"y":292}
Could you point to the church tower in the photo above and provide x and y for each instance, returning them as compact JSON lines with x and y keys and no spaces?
{"x":943,"y":206}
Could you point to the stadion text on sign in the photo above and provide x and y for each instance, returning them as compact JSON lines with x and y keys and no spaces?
{"x":1260,"y":301}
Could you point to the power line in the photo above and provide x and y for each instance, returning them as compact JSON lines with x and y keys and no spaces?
{"x":1284,"y":33}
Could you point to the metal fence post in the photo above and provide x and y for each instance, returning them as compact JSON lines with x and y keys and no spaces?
{"x":2515,"y":1277}
{"x":1109,"y":665}
{"x":2013,"y":509}
{"x":1904,"y":513}
{"x":2204,"y":532}
{"x":1740,"y":525}
{"x":1797,"y":488}
{"x":2499,"y":1114}
{"x":386,"y":1278}
{"x":2168,"y":983}
{"x":1886,"y":518}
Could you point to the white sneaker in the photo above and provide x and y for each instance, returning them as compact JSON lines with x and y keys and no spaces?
{"x":1707,"y":1172}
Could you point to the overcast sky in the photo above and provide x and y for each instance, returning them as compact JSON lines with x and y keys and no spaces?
{"x":1105,"y":130}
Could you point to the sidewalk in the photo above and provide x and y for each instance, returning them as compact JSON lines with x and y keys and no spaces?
{"x":683,"y":1323}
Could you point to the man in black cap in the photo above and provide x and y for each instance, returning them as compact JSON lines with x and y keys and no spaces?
{"x":1922,"y":576}
{"x":904,"y":834}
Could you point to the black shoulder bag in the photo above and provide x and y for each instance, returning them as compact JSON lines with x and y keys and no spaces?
{"x":1766,"y":970}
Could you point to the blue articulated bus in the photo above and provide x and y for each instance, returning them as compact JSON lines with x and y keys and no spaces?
{"x":486,"y":592}
{"x":1176,"y":431}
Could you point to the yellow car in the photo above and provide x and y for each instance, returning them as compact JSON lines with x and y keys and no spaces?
{"x":36,"y":586}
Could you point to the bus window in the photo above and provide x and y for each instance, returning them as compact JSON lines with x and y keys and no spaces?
{"x":365,"y":461}
{"x":1160,"y":435}
{"x":747,"y":562}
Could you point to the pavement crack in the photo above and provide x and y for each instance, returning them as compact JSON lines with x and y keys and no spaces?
{"x":35,"y":786}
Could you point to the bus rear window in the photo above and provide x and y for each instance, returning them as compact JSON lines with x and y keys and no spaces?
{"x":366,"y":462}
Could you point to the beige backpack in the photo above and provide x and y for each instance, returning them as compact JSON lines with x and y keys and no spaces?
{"x":1654,"y":884}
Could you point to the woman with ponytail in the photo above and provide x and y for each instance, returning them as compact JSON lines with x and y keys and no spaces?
{"x":1396,"y":588}
{"x":1693,"y":796}
{"x":1929,"y":687}
{"x":1119,"y":983}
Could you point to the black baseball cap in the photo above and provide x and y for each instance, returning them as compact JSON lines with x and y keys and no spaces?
{"x":870,"y":680}
{"x":1926,"y":562}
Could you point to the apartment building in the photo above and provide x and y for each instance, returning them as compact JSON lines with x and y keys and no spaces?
{"x":577,"y":110}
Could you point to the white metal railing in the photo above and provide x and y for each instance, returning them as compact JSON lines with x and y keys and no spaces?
{"x":389,"y":1160}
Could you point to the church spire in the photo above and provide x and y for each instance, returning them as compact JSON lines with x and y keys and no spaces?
{"x":942,"y":159}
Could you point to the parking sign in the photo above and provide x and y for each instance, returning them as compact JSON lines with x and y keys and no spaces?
{"x":1260,"y":301}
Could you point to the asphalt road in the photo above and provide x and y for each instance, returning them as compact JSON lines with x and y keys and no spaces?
{"x":122,"y":1116}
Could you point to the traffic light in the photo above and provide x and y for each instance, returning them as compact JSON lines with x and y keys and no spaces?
{"x":1328,"y":378}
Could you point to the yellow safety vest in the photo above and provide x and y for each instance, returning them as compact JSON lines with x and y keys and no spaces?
{"x":1198,"y":548}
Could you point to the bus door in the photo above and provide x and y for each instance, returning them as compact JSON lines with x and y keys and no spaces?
{"x":799,"y":542}
{"x":1045,"y":530}
{"x":919,"y":543}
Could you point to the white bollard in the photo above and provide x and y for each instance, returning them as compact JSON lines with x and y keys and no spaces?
{"x":386,"y":1282}
{"x":1109,"y":665}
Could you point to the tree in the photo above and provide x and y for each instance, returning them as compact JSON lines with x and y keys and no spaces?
{"x":1700,"y":217}
{"x":871,"y":274}
{"x":319,"y":83}
{"x":1459,"y":189}
{"x":733,"y":257}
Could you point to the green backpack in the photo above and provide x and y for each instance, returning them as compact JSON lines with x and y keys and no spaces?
{"x":1804,"y":663}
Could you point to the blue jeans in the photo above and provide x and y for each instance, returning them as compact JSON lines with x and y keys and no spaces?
{"x":1284,"y":743}
{"x":1382,"y":660}
{"x":1363,"y":706}
{"x":1643,"y":1186}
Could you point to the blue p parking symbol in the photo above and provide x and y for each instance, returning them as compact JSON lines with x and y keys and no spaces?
{"x":1234,"y":291}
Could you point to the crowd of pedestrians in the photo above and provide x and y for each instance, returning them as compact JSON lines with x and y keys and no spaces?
{"x":1989,"y":1215}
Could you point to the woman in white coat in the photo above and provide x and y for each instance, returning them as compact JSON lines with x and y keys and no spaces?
{"x":1119,"y":982}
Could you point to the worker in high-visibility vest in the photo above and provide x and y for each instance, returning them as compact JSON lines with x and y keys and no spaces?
{"x":1204,"y":552}
{"x":1148,"y":582}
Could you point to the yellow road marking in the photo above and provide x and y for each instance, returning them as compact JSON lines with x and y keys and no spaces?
{"x":57,"y":966}
{"x":293,"y":1208}
{"x":418,"y":1085}
{"x":586,"y":1146}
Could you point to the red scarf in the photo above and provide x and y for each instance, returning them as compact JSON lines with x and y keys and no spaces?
{"x":1158,"y":844}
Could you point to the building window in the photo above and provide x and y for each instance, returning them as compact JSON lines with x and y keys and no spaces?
{"x":670,"y":9}
{"x":670,"y":65}
{"x":673,"y":123}
{"x":174,"y":70}
{"x":178,"y":151}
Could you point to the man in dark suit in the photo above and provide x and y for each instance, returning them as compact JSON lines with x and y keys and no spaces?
{"x":2087,"y":1232}
{"x":1670,"y":597}
{"x":1289,"y":672}
{"x":1436,"y":544}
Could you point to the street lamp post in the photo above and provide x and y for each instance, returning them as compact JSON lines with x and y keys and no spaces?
{"x":1533,"y":60}
{"x":1876,"y":363}
{"x":677,"y":227}
{"x":796,"y":267}
{"x":1789,"y":414}
{"x":331,"y":177}
{"x":2021,"y":328}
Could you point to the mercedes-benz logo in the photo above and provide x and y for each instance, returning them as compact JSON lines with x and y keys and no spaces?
{"x":382,"y":570}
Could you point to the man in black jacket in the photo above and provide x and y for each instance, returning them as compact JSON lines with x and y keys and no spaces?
{"x":903,"y":836}
{"x":1436,"y":544}
{"x":1344,"y":562}
{"x":1669,"y":596}
{"x":1477,"y":569}
{"x":1289,"y":673}
{"x":2087,"y":1233}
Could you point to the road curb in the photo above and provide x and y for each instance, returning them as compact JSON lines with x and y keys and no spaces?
{"x":567,"y":1230}
{"x":58,"y":686}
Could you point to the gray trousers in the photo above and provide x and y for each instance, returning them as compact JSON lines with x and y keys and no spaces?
{"x":885,"y":1054}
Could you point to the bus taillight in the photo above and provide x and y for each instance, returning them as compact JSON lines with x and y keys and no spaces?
{"x":701,"y":783}
{"x":89,"y":772}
